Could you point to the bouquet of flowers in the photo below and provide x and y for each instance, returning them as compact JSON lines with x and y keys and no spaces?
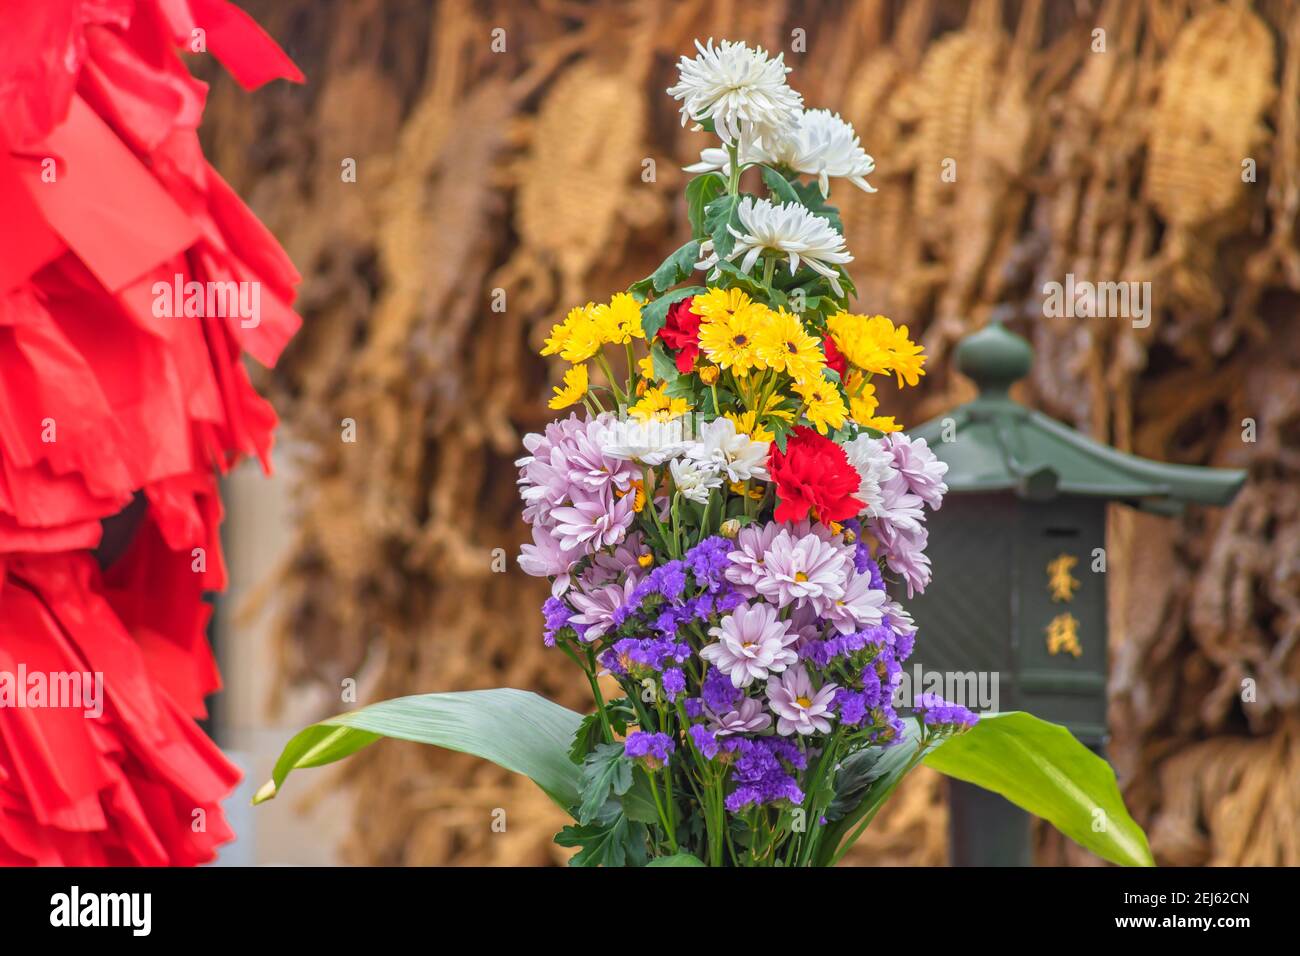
{"x":725,"y":519}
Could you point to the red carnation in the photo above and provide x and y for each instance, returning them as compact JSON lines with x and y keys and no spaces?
{"x":814,"y":477}
{"x":834,"y":357}
{"x":681,"y":333}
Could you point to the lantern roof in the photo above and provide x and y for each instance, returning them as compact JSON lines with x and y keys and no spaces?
{"x":994,"y":443}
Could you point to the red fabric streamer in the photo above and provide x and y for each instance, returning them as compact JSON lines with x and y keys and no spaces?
{"x":120,"y":382}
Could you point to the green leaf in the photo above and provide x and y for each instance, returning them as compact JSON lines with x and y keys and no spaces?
{"x":665,"y":365}
{"x":701,"y":191}
{"x":638,"y":803}
{"x":677,"y":859}
{"x":1041,"y":768}
{"x":655,"y":314}
{"x":616,"y":842}
{"x":780,"y":186}
{"x":864,"y":782}
{"x":606,"y":769}
{"x":515,"y":729}
{"x":676,"y":267}
{"x":719,"y":214}
{"x":585,"y":739}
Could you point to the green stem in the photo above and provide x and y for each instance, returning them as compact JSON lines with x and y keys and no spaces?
{"x":733,"y":181}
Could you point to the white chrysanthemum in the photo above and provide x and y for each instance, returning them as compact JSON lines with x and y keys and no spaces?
{"x":694,"y":480}
{"x":875,"y":466}
{"x":788,"y":229}
{"x":721,"y":449}
{"x":649,"y":443}
{"x":741,"y":90}
{"x":823,"y":145}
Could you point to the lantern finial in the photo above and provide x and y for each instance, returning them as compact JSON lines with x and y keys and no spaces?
{"x":994,"y":357}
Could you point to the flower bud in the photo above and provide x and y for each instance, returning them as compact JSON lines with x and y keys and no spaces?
{"x":709,"y":374}
{"x":730,"y":528}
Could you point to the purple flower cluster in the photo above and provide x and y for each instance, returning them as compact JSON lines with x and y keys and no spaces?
{"x":764,"y":771}
{"x":577,"y":499}
{"x":759,"y":647}
{"x":652,"y":750}
{"x":639,"y":657}
{"x":942,"y":714}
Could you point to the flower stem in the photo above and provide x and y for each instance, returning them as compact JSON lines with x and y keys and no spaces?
{"x":733,"y":181}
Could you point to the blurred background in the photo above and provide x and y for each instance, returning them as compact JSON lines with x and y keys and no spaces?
{"x":1164,"y":148}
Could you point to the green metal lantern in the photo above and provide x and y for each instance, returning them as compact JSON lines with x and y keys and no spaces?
{"x":1018,"y":551}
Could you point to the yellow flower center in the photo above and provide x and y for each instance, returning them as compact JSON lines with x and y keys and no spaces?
{"x":803,"y":701}
{"x":800,"y":576}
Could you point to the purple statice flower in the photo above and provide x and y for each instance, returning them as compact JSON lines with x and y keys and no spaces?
{"x":803,"y":569}
{"x":674,"y":682}
{"x":708,"y":561}
{"x":818,"y":652}
{"x":718,"y":693}
{"x":873,"y":569}
{"x":763,"y":771}
{"x":694,"y":706}
{"x":645,"y":655}
{"x":799,"y":708}
{"x":851,"y":706}
{"x":890,"y":730}
{"x":873,"y":692}
{"x":924,"y":473}
{"x":557,"y":615}
{"x":668,"y":579}
{"x":942,"y":714}
{"x":704,"y":741}
{"x":748,"y":718}
{"x":652,"y":750}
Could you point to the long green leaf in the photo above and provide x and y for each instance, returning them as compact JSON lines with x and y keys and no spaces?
{"x":515,"y":729}
{"x":1041,"y":768}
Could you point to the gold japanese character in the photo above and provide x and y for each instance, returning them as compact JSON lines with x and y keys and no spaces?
{"x":1060,"y":582}
{"x":1063,"y":635}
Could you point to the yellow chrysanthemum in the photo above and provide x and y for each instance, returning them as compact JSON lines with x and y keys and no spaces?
{"x":574,"y":387}
{"x":728,"y":340}
{"x":906,"y":357}
{"x":746,"y":425}
{"x":863,"y":404}
{"x":620,"y":321}
{"x":782,"y":343}
{"x":657,"y":406}
{"x":577,"y":338}
{"x":825,"y":406}
{"x":756,"y":491}
{"x":874,"y":344}
{"x":719,"y":304}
